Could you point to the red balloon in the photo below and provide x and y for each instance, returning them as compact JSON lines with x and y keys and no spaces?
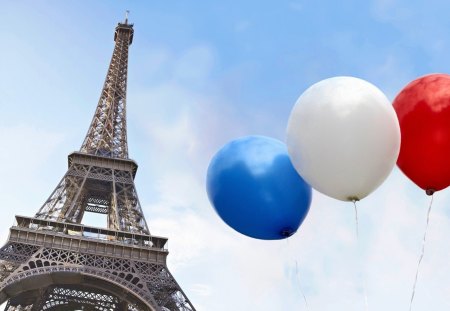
{"x":423,"y":110}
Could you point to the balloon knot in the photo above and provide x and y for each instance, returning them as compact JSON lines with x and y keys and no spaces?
{"x":287,"y":232}
{"x":430,"y":191}
{"x":353,"y":199}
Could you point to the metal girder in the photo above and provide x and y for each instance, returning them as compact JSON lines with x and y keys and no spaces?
{"x":100,"y":189}
{"x":54,"y":262}
{"x":146,"y":281}
{"x":107,"y":134}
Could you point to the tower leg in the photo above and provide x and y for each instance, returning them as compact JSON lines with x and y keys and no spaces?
{"x":123,"y":306}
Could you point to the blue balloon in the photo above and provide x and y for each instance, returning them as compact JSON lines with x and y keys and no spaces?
{"x":254,"y":188}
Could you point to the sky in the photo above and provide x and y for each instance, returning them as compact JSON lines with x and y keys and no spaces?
{"x":202,"y":73}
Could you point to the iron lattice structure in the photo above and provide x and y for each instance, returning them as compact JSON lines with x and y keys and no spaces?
{"x":52,"y":261}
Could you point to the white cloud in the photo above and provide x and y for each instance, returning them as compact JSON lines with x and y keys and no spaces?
{"x":184,"y":118}
{"x":184,"y":127}
{"x":194,"y":65}
{"x":22,"y":169}
{"x":419,"y":30}
{"x":201,"y":289}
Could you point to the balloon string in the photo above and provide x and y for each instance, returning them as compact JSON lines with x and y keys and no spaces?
{"x":422,"y":253}
{"x":356,"y":221}
{"x":366,"y":302}
{"x":297,"y":275}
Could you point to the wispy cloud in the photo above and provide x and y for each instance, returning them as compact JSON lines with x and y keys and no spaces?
{"x":23,"y":165}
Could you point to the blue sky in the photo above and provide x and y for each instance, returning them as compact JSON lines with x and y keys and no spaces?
{"x":200,"y":74}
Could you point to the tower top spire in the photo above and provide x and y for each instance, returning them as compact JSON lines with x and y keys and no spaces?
{"x":126,"y":16}
{"x":107,"y":134}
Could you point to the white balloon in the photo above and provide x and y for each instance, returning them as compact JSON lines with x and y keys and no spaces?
{"x":343,"y":137}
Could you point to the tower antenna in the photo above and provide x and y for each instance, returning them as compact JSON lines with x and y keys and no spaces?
{"x":126,"y":16}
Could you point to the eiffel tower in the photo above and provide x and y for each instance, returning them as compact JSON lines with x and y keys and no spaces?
{"x":52,"y":261}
